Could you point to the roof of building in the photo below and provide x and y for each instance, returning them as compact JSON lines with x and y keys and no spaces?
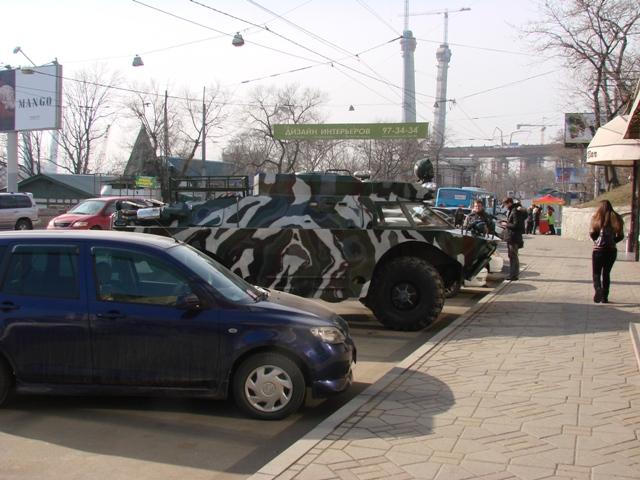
{"x":86,"y":184}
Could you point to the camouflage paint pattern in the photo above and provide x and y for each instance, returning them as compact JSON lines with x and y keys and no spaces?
{"x":322,"y":235}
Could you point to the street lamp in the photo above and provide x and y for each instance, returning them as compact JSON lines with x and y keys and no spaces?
{"x":19,"y":50}
{"x":237,"y":41}
{"x":137,"y":61}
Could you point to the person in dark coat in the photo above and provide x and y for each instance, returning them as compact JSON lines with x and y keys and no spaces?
{"x":513,"y":230}
{"x":606,"y":229}
{"x":478,"y":221}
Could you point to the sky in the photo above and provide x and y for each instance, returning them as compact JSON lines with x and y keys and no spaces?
{"x":495,"y":83}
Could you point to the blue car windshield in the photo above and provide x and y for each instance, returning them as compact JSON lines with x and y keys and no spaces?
{"x":227,"y":283}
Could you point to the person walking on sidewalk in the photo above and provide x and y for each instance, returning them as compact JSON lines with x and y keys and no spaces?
{"x":513,"y":230}
{"x":551,"y":220}
{"x":607,"y":229}
{"x":536,"y":218}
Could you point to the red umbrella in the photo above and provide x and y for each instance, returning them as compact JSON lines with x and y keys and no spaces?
{"x":549,"y":200}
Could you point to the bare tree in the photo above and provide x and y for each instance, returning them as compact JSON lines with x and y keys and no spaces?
{"x":86,"y":117}
{"x":202,"y":115}
{"x":598,"y":39}
{"x":31,"y":153}
{"x":270,"y":106}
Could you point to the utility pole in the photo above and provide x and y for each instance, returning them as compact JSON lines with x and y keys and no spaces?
{"x":204,"y":134}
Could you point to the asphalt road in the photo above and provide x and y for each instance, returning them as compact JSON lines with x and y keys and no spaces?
{"x":121,"y":438}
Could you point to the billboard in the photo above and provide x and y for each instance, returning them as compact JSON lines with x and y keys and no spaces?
{"x":571,"y":174}
{"x":579,"y":128}
{"x":352,"y":131}
{"x":31,"y":99}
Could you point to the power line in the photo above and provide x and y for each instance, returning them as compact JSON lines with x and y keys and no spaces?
{"x":375,"y":14}
{"x":497,"y":50}
{"x":508,"y":84}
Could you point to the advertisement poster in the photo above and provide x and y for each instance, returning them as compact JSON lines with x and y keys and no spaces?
{"x":31,"y":99}
{"x":579,"y":128}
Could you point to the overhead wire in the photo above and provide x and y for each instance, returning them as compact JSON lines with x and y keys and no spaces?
{"x":337,"y":62}
{"x":375,"y":14}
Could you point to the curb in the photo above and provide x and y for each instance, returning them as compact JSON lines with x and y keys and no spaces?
{"x":634,"y":330}
{"x":291,"y":455}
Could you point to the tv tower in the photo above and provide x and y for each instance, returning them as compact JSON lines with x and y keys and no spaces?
{"x":408,"y":46}
{"x":443,"y":55}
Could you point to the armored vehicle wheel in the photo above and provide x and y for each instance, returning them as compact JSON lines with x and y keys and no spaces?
{"x":407,"y":294}
{"x":453,"y":289}
{"x":5,"y":381}
{"x":268,"y":386}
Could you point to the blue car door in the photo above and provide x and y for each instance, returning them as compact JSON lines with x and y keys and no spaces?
{"x":44,"y":327}
{"x":140,"y":335}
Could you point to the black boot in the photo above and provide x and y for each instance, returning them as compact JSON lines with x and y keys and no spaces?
{"x":597,"y":298}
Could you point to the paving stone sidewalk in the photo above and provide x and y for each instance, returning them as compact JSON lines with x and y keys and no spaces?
{"x":538,"y":382}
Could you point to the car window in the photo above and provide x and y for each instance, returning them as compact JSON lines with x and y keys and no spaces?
{"x":88,"y":207}
{"x":22,"y":201}
{"x":424,"y":216}
{"x":42,"y":271}
{"x":393,"y":216}
{"x":129,"y":277}
{"x":7,"y":201}
{"x":225,"y":282}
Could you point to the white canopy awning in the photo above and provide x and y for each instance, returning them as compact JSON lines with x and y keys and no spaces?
{"x":609,"y":147}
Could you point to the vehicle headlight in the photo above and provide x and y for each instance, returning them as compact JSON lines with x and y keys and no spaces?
{"x":328,"y":334}
{"x":81,"y":224}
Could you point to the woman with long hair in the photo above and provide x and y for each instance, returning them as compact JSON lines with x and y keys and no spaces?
{"x":607,"y":229}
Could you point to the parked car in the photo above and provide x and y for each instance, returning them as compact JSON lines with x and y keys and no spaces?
{"x":107,"y":313}
{"x":18,"y":211}
{"x":92,"y":214}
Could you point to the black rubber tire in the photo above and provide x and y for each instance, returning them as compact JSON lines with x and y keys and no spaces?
{"x":96,"y":227}
{"x":6,"y":382}
{"x":407,"y":294}
{"x":24,"y":224}
{"x":267,"y":361}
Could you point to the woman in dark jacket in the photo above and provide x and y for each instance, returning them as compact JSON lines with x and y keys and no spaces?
{"x":607,"y":229}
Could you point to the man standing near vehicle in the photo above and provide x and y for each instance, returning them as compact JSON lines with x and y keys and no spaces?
{"x":513,"y":230}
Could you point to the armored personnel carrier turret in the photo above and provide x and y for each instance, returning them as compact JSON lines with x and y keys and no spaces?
{"x":330,"y":236}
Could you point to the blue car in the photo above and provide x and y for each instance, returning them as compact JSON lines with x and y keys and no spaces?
{"x":125,"y":313}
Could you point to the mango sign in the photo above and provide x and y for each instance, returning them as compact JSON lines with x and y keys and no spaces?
{"x":351,"y":131}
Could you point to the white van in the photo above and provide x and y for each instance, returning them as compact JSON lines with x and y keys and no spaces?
{"x":18,"y":211}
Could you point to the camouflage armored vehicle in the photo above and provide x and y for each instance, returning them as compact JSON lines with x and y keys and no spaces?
{"x":327,"y":235}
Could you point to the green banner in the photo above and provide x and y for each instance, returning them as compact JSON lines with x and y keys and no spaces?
{"x":356,"y":131}
{"x":146,"y":182}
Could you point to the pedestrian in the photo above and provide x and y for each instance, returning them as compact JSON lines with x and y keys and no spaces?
{"x":536,"y":218}
{"x":528,"y":226}
{"x":512,"y":234}
{"x":551,"y":220}
{"x":458,"y":216}
{"x":607,"y":229}
{"x":478,"y":221}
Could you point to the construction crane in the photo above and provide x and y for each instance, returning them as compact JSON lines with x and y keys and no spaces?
{"x":543,"y":127}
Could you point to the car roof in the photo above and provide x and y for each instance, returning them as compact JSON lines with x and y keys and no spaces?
{"x":144,"y":239}
{"x":106,"y":199}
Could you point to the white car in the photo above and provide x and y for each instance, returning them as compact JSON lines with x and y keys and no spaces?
{"x":18,"y":211}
